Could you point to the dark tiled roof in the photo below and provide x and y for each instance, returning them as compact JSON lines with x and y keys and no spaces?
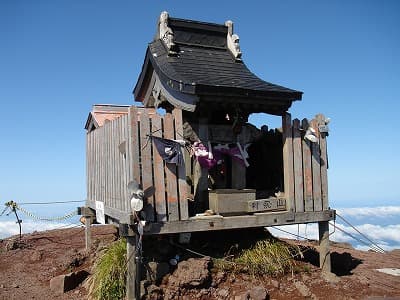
{"x":211,"y":67}
{"x":204,"y":65}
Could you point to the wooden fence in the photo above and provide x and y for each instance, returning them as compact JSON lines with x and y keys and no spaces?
{"x":305,"y":165}
{"x":121,"y":151}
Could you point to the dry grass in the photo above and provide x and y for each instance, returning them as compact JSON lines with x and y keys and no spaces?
{"x":266,"y":257}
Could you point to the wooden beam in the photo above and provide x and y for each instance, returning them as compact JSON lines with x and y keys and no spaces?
{"x":245,"y":221}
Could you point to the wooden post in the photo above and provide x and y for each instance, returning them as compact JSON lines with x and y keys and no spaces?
{"x":88,"y":235}
{"x":288,"y":161}
{"x":131,"y":291}
{"x":201,"y":174}
{"x":324,"y":252}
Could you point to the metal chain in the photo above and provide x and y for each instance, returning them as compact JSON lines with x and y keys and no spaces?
{"x":33,"y":216}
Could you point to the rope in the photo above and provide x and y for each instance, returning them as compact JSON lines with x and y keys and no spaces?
{"x":357,"y":239}
{"x":51,"y":202}
{"x":363,"y":235}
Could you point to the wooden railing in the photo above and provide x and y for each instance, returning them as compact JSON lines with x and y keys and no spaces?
{"x":120,"y":151}
{"x":305,"y":165}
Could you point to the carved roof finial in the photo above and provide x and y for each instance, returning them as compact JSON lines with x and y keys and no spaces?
{"x":233,"y":41}
{"x":165,"y":33}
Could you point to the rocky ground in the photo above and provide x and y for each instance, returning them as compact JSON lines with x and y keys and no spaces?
{"x":28,"y":268}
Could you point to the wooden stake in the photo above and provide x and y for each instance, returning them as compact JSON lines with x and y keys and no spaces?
{"x":88,"y":235}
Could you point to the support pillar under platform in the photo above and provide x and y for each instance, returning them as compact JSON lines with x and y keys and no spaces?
{"x":324,"y":251}
{"x":131,"y":289}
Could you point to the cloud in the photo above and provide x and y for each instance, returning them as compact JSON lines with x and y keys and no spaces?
{"x":376,"y":212}
{"x":387,"y":237}
{"x":9,"y":228}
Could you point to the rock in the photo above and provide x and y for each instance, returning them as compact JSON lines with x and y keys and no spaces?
{"x":67,"y":282}
{"x":243,"y":296}
{"x":258,"y":293}
{"x":1,"y":286}
{"x":157,"y":271}
{"x":16,"y":286}
{"x":330,"y":277}
{"x":222,"y":293}
{"x":193,"y":273}
{"x":303,"y":289}
{"x":12,"y":244}
{"x":36,"y":256}
{"x":275,"y":283}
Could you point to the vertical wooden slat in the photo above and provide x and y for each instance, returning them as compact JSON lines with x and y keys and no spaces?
{"x":109,"y":126}
{"x":200,"y":175}
{"x":288,"y":161}
{"x":118,"y":158}
{"x":124,"y":175}
{"x":105,"y":167}
{"x":94,"y":164}
{"x":88,"y":165}
{"x":117,"y":163}
{"x":110,"y":165}
{"x":102,"y":160}
{"x":159,"y":181}
{"x":129,"y":154}
{"x":147,"y":175}
{"x":324,"y":164}
{"x":182,"y":184}
{"x":307,"y":171}
{"x":316,"y":169}
{"x":135,"y":151}
{"x":298,"y":167}
{"x":170,"y":171}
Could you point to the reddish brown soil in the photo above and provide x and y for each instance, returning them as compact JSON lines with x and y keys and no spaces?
{"x":25,"y":271}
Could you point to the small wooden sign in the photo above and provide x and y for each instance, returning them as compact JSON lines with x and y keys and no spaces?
{"x":266,"y":204}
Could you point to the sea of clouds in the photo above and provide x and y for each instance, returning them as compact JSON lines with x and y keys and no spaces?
{"x":379,"y":224}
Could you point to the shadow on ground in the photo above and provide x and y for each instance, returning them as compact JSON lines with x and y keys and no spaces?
{"x":341,"y":263}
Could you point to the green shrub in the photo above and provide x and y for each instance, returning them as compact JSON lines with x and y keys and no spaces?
{"x":109,"y":278}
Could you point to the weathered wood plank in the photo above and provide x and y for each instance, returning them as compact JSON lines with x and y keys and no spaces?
{"x":182,"y":184}
{"x":135,"y":149}
{"x":298,"y":167}
{"x":200,"y":176}
{"x":307,"y":171}
{"x":324,"y":163}
{"x":124,"y":174}
{"x":128,"y":157}
{"x":171,"y":174}
{"x":146,"y":159}
{"x":159,"y":180}
{"x":288,"y":161}
{"x":316,"y":169}
{"x":247,"y":221}
{"x":117,"y":162}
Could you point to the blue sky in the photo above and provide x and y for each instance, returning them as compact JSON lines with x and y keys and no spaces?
{"x":57,"y":58}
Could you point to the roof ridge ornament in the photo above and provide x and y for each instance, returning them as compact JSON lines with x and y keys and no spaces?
{"x":233,"y":41}
{"x":166,"y":34}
